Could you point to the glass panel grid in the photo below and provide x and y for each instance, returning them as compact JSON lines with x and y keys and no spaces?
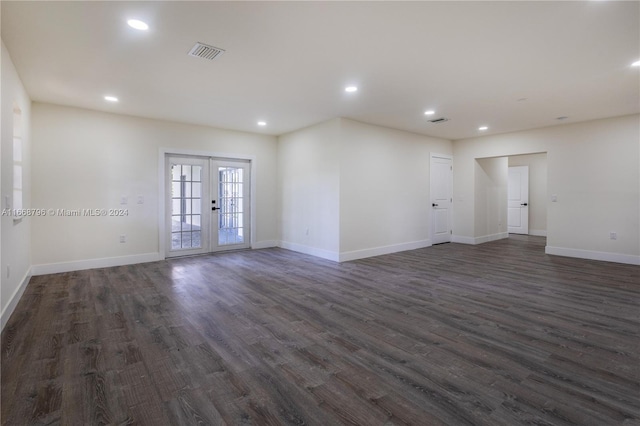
{"x":230,"y":191}
{"x":186,"y":206}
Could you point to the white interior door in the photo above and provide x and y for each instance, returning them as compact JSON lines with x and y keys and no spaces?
{"x":441,"y":188}
{"x":186,"y":216}
{"x":518,"y":201}
{"x":230,"y":204}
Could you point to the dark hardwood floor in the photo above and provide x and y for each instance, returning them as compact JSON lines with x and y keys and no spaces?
{"x":495,"y":334}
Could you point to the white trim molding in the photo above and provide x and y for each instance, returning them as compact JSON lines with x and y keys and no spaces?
{"x":460,"y":239}
{"x":629,"y":259}
{"x":264,"y":244}
{"x":379,"y":251}
{"x":14,"y":299}
{"x":105,"y":262}
{"x":313,"y":251}
{"x":479,"y":240}
{"x":492,"y":237}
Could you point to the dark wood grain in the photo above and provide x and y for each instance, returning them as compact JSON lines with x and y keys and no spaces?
{"x":495,"y":334}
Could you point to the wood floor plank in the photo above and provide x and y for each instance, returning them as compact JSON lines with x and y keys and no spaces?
{"x":493,"y":334}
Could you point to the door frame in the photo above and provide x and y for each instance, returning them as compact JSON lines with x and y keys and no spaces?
{"x":162,"y":176}
{"x":431,"y":215}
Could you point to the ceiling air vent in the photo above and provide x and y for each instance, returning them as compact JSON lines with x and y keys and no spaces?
{"x":205,"y":51}
{"x":439,"y":120}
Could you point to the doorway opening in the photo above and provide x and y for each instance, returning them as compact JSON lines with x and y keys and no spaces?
{"x":536,"y":199}
{"x":207,"y":204}
{"x":499,"y":211}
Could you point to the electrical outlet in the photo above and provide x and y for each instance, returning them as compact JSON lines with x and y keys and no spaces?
{"x":123,"y":238}
{"x":613,"y":235}
{"x":554,"y":198}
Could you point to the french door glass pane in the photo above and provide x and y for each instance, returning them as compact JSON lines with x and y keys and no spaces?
{"x":230,"y":194}
{"x":186,"y":206}
{"x":196,"y":189}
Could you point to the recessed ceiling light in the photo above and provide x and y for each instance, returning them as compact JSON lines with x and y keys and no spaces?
{"x":351,"y":89}
{"x":429,"y":112}
{"x":111,"y":98}
{"x":636,"y":64}
{"x":262,"y":123}
{"x":137,"y":24}
{"x":483,"y":128}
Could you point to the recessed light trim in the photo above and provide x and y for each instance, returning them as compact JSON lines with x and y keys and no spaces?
{"x":429,"y":112}
{"x":351,"y":89}
{"x":483,"y":128}
{"x":138,"y":24}
{"x":262,"y":123}
{"x":110,"y":98}
{"x":636,"y":64}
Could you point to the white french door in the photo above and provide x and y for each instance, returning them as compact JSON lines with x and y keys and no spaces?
{"x":207,"y":205}
{"x":230,"y":218}
{"x":187,"y":219}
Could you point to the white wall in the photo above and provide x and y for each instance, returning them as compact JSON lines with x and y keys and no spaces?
{"x":593,"y":167}
{"x":360,"y":190}
{"x":491,"y":180}
{"x":537,"y":164}
{"x":384,"y":189}
{"x":87,"y":159}
{"x":15,"y":250}
{"x":309,"y":188}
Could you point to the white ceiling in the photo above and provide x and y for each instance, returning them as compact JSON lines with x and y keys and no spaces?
{"x":288,"y":62}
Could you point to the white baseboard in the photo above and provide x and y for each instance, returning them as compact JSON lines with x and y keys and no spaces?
{"x":106,"y":262}
{"x":462,"y":240}
{"x":14,"y":299}
{"x":378,"y":251}
{"x":313,"y":251}
{"x":478,"y":240}
{"x":538,"y":232}
{"x":593,"y":255}
{"x":265,"y":244}
{"x":492,"y":237}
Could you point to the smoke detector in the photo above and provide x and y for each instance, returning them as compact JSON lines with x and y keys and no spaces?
{"x":201,"y":50}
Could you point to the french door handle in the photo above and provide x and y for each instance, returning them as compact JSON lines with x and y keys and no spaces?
{"x":213,"y":209}
{"x":524,"y":204}
{"x":434,"y":205}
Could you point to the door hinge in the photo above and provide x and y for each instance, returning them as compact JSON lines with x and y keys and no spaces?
{"x":451,"y":231}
